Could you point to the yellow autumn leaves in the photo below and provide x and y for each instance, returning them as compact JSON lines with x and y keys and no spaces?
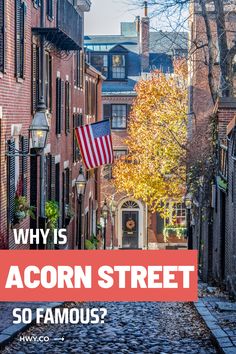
{"x":154,"y":169}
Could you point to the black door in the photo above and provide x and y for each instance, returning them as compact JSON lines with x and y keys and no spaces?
{"x":130,"y":221}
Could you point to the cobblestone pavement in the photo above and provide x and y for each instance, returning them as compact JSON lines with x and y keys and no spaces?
{"x":128,"y":328}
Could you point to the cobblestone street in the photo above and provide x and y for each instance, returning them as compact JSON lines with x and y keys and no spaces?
{"x":128,"y":328}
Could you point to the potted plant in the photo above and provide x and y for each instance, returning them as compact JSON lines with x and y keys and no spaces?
{"x":22,"y":209}
{"x":92,"y":243}
{"x":52,"y":213}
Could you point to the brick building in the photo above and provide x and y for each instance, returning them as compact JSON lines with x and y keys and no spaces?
{"x":124,"y":59}
{"x":72,"y":94}
{"x":213,"y":222}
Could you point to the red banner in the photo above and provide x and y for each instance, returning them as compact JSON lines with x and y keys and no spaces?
{"x":98,"y":275}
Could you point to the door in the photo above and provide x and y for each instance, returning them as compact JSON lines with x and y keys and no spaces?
{"x":130,"y":229}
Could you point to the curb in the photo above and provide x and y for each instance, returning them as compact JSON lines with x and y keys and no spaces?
{"x":9,"y":333}
{"x":221,"y":338}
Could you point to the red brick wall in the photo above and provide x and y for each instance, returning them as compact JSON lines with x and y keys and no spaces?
{"x":15,"y":100}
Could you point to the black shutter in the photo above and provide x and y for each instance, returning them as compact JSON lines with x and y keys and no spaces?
{"x":58,"y":105}
{"x":67,"y":106}
{"x":25,"y":148}
{"x":18,"y":38}
{"x":35,"y":77}
{"x":2,"y":30}
{"x":20,"y":10}
{"x":11,"y":181}
{"x":52,"y":177}
{"x":62,"y":103}
{"x":107,"y":111}
{"x":50,"y":8}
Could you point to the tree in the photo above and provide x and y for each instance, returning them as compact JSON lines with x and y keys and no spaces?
{"x":218,"y":41}
{"x":155,"y":168}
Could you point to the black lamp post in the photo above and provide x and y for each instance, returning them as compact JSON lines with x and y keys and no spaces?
{"x":39,"y":129}
{"x":80,"y":185}
{"x":105,"y":211}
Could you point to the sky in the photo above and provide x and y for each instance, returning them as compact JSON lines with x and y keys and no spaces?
{"x":105,"y":16}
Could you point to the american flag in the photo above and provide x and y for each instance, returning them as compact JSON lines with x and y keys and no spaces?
{"x":95,"y":144}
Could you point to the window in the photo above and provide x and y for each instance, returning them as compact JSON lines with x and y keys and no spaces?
{"x":77,"y":122}
{"x":177,"y":215}
{"x":17,"y":172}
{"x":119,"y":154}
{"x":223,"y":161}
{"x":81,"y":68}
{"x":119,"y":116}
{"x":2,"y":30}
{"x":20,"y":12}
{"x":90,"y":98}
{"x":35,"y":77}
{"x":48,"y":81}
{"x":67,"y":106}
{"x":50,"y":9}
{"x":100,"y":62}
{"x":233,"y":137}
{"x":77,"y":68}
{"x":118,"y":66}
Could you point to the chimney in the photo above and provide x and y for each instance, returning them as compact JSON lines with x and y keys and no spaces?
{"x":137,"y":21}
{"x":144,"y":39}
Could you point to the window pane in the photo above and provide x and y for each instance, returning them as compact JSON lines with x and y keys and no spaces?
{"x":118,"y":66}
{"x":119,"y":153}
{"x":100,"y":62}
{"x":119,"y":114}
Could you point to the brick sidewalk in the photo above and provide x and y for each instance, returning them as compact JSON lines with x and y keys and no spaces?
{"x":219,"y":314}
{"x":8,"y":330}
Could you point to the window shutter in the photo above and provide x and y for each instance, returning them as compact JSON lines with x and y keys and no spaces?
{"x":20,"y":10}
{"x":58,"y":105}
{"x":18,"y":38}
{"x":53,"y":178}
{"x":50,"y":8}
{"x":25,"y":148}
{"x":11,"y":180}
{"x":35,"y":77}
{"x":62,"y":103}
{"x":2,"y":30}
{"x":107,"y":111}
{"x":67,"y":106}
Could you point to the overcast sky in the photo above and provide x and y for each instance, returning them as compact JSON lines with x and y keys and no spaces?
{"x":105,"y":16}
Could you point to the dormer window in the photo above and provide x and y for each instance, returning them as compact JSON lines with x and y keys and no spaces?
{"x":118,"y":66}
{"x":100,"y":62}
